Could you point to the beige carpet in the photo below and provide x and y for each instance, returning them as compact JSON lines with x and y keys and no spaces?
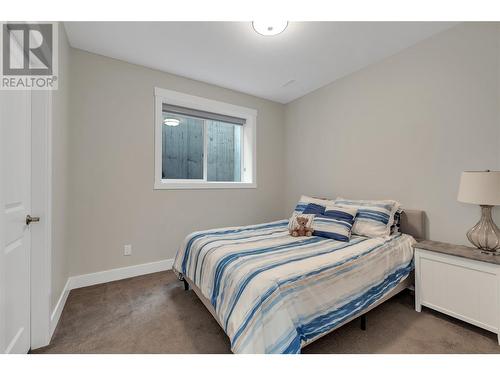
{"x":153,"y":314}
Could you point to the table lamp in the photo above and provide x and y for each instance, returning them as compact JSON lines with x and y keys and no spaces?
{"x":483,"y":188}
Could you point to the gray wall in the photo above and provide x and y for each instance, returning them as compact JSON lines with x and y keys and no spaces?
{"x":60,"y":171}
{"x":112,"y":164}
{"x":404,"y":129}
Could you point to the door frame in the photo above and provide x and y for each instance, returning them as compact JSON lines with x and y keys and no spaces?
{"x":41,"y":205}
{"x":3,"y":342}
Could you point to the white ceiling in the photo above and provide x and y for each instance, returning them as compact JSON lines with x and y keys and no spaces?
{"x":306,"y":56}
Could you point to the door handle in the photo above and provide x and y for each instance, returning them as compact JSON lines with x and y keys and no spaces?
{"x":32,"y":219}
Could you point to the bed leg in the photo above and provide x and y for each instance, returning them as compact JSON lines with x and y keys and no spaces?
{"x":363,"y":322}
{"x":186,"y":285}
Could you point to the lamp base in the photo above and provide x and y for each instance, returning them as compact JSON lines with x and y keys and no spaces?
{"x":486,"y":252}
{"x":485,"y":235}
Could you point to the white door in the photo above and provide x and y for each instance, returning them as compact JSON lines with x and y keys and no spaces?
{"x":15,"y":177}
{"x":16,"y":180}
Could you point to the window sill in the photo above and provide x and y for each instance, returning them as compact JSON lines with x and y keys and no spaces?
{"x":164,"y":185}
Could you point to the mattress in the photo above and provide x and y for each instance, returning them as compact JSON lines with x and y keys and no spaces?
{"x":274,"y":293}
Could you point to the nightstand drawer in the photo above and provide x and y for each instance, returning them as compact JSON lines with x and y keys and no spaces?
{"x":463,"y":288}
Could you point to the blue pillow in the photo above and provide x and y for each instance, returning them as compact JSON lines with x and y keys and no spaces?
{"x":305,"y":200}
{"x":315,"y":209}
{"x":335,"y":223}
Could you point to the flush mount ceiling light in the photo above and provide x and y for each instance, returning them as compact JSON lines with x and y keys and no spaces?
{"x":269,"y":28}
{"x":171,"y":122}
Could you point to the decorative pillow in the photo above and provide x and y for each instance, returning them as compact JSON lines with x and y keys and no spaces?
{"x":374,"y":217}
{"x":396,"y":225}
{"x":335,"y":223}
{"x":315,"y":209}
{"x":292,"y":223}
{"x":305,"y":200}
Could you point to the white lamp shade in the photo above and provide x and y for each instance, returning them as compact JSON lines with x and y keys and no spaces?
{"x":480,"y":187}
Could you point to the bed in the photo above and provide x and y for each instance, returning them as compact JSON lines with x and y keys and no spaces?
{"x":274,"y":293}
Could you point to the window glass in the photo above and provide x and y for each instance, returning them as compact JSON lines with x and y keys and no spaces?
{"x":182,"y":151}
{"x":223,"y":151}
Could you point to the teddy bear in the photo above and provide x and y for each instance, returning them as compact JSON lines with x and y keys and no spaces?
{"x":301,"y":229}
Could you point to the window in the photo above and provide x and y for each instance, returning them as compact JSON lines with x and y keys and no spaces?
{"x":183,"y":147}
{"x":201,"y":143}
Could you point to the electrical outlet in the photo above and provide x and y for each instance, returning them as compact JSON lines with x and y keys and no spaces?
{"x":127,"y":250}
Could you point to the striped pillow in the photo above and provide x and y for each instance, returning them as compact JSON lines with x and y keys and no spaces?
{"x":336,"y":223}
{"x":374,"y":218}
{"x":305,"y":200}
{"x":315,"y":209}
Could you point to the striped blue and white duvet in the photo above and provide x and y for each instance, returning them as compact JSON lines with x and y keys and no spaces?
{"x":273,"y":293}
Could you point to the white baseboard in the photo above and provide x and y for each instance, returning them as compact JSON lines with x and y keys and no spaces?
{"x":114,"y":274}
{"x":56,"y":314}
{"x":119,"y":273}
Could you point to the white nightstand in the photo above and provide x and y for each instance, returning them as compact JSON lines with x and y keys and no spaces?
{"x":459,"y":281}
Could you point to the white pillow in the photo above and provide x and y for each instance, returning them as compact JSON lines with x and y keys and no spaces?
{"x":374,"y":217}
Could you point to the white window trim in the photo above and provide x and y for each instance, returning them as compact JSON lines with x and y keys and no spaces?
{"x":249,"y":149}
